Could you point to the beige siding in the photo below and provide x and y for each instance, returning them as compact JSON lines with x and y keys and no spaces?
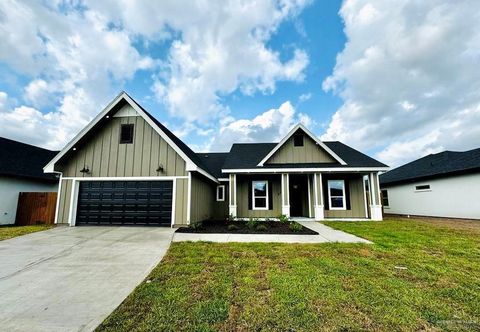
{"x":105,"y":156}
{"x":357,"y":201}
{"x":242,"y":197}
{"x":181,"y":202}
{"x":203,"y":198}
{"x":64,"y":203}
{"x":310,"y":152}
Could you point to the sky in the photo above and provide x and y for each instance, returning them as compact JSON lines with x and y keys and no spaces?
{"x":396,"y":79}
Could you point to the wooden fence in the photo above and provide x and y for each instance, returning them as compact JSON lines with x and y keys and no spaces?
{"x":36,"y":208}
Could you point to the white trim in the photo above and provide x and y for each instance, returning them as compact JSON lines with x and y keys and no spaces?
{"x":232,"y":206}
{"x":288,"y":189}
{"x":72,"y":213}
{"x":266,"y":195}
{"x":283,"y":189}
{"x":174,"y":200}
{"x":378,"y":189}
{"x":221,"y":186}
{"x":422,"y":190}
{"x":190,"y":165}
{"x":57,"y":204}
{"x":309,"y":133}
{"x":309,"y":199}
{"x":189,"y":198}
{"x":128,"y":178}
{"x":303,"y":170}
{"x":322,"y":194}
{"x":223,"y":179}
{"x":376,"y":212}
{"x":285,"y":194}
{"x":365,"y":197}
{"x":344,"y":202}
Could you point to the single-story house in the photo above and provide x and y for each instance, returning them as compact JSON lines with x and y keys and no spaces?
{"x":125,"y":168}
{"x":445,"y":184}
{"x":21,"y":170}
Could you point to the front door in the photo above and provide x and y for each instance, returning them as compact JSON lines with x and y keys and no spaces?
{"x":298,"y":195}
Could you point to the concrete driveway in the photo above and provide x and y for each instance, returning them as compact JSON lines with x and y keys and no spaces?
{"x":71,"y":278}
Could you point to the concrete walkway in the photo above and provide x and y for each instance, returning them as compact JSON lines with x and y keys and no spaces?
{"x":325,"y":234}
{"x":72,"y":278}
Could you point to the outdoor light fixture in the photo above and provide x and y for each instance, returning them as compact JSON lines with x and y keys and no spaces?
{"x":85,"y":170}
{"x":160,"y":168}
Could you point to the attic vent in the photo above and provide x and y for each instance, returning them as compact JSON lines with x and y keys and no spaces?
{"x":298,"y":140}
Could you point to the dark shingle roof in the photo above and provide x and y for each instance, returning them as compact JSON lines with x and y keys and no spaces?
{"x":23,"y":160}
{"x":441,"y":164}
{"x":248,"y":155}
{"x":214,"y":162}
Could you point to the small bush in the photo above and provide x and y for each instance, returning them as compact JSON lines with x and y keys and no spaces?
{"x":233,"y":227}
{"x":296,"y":227}
{"x":231,"y":218}
{"x":283,"y":219}
{"x":252,"y":223}
{"x":196,"y":225}
{"x":262,"y":227}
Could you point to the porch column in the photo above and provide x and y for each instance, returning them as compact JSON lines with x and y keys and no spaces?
{"x":375,"y":203}
{"x":285,"y":194}
{"x":318,"y":206}
{"x":232,"y":207}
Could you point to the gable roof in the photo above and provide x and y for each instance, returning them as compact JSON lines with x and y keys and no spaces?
{"x":249,"y":155}
{"x":193,"y":162}
{"x":308,"y":133}
{"x":24,"y":160}
{"x":436,"y":165}
{"x":213,"y":162}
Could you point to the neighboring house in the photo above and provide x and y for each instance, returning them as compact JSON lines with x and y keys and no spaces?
{"x":21,"y":170}
{"x":445,"y":184}
{"x":125,"y":168}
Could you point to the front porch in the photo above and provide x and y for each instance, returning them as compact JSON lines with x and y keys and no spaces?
{"x":306,"y":196}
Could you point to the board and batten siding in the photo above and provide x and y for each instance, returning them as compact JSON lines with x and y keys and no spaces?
{"x":243,"y":197}
{"x":357,"y":200}
{"x":203,"y":198}
{"x":104,"y":156}
{"x":310,"y":152}
{"x":181,"y":202}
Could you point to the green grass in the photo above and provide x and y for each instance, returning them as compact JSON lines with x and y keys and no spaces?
{"x":340,"y":287}
{"x":7,"y":232}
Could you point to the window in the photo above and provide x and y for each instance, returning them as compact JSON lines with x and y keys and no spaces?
{"x":423,"y":187}
{"x":384,"y":197}
{"x":221,"y":193}
{"x":298,"y":140}
{"x":126,"y":133}
{"x":336,"y":194}
{"x":260,"y":195}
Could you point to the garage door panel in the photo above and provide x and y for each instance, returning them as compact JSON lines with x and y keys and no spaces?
{"x":125,"y":203}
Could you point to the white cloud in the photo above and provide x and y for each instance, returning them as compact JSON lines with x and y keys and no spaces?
{"x":304,"y":97}
{"x":409,"y":77}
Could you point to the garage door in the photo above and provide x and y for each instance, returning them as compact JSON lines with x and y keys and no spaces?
{"x":125,"y":203}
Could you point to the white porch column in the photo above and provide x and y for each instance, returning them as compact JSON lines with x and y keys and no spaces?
{"x":375,"y":203}
{"x":232,"y":207}
{"x":285,"y":194}
{"x":319,"y":210}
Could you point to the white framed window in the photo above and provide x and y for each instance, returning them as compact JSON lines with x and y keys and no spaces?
{"x":260,"y":195}
{"x":423,"y":187}
{"x":221,"y":193}
{"x":336,"y":195}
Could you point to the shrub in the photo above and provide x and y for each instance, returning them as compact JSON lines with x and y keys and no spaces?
{"x":296,"y":227}
{"x":233,"y":227}
{"x":262,"y":227}
{"x":283,"y":219}
{"x":231,"y":218}
{"x":196,"y":225}
{"x":252,"y":223}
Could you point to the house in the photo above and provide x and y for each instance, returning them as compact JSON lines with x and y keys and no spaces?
{"x":445,"y":184}
{"x":21,"y":170}
{"x":125,"y":167}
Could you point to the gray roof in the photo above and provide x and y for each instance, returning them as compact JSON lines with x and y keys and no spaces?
{"x":24,"y":160}
{"x":214,"y":162}
{"x":249,"y":155}
{"x":447,"y":163}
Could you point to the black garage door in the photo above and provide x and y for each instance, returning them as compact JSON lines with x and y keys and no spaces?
{"x":124,"y":203}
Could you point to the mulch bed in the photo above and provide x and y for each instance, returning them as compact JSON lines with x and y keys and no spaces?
{"x":221,"y":227}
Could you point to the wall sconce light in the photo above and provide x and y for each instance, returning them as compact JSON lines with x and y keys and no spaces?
{"x":160,"y":168}
{"x":85,"y":170}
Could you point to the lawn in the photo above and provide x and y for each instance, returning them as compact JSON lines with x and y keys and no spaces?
{"x":418,"y":275}
{"x":7,"y":232}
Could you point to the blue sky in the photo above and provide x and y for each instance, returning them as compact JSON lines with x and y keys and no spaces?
{"x":397,"y":80}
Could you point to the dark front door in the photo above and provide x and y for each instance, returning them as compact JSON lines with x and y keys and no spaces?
{"x":298,"y":195}
{"x":125,"y":203}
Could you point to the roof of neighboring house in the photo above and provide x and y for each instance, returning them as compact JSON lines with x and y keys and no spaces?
{"x":436,"y":165}
{"x":248,"y":156}
{"x":23,"y":160}
{"x":214,"y":162}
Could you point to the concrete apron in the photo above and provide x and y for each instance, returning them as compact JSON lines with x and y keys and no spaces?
{"x":325,"y":234}
{"x":72,"y":278}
